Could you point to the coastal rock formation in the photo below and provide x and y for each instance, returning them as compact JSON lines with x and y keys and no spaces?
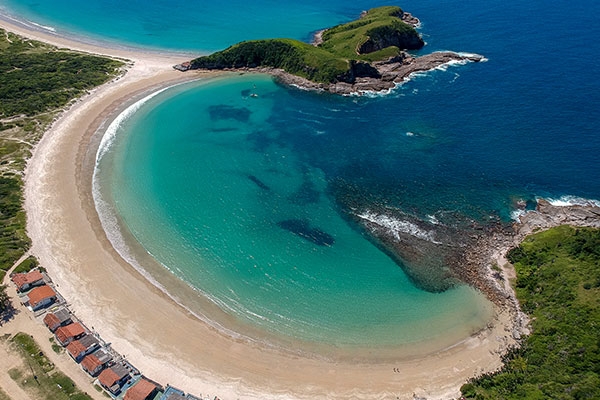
{"x":382,"y":76}
{"x":386,"y":36}
{"x":366,"y":55}
{"x":437,"y":256}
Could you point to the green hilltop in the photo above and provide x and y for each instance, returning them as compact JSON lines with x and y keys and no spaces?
{"x":379,"y":34}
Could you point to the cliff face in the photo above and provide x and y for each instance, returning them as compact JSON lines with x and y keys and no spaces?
{"x":386,"y":36}
{"x":359,"y":69}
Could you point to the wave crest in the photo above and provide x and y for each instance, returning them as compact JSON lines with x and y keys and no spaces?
{"x":398,"y":226}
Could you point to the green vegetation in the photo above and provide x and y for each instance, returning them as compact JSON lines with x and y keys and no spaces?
{"x":558,"y":286}
{"x":55,"y":347}
{"x":4,"y":300}
{"x":3,"y":395}
{"x":378,"y":35}
{"x":27,"y":265}
{"x":36,"y":81}
{"x":290,"y":55}
{"x":40,"y":376}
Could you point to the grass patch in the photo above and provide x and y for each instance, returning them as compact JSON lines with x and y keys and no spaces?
{"x":27,"y":265}
{"x":3,"y":395}
{"x":558,"y":286}
{"x":55,"y":347}
{"x":36,"y":81}
{"x":40,"y":376}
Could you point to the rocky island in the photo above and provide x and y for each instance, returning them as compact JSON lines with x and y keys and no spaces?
{"x":366,"y":55}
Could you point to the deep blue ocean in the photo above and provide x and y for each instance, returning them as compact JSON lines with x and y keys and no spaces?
{"x":248,"y":198}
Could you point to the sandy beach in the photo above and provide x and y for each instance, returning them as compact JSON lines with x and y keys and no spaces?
{"x":157,"y":335}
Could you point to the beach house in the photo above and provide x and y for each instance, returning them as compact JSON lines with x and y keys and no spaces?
{"x":41,"y":297}
{"x":56,"y":319}
{"x":142,"y":390}
{"x":113,"y":378}
{"x":95,"y":362}
{"x":66,"y":334}
{"x":28,"y":280}
{"x":80,"y":348}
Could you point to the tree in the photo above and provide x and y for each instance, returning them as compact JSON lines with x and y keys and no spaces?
{"x":4,"y":299}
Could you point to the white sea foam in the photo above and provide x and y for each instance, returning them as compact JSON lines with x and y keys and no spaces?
{"x":111,"y":132}
{"x":565,"y":201}
{"x":43,"y":27}
{"x":465,"y":54}
{"x":432,"y":219}
{"x":397,"y":226}
{"x":517,"y":214}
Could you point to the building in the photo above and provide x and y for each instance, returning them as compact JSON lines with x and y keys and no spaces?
{"x":94,"y":363}
{"x":113,"y":378}
{"x":66,"y":334}
{"x":80,"y":348}
{"x":58,"y":318}
{"x":184,"y":66}
{"x":27,"y":281}
{"x":172,"y":393}
{"x":143,"y":390}
{"x":41,"y":297}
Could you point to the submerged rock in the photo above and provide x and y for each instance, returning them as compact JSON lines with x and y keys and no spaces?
{"x":303,"y":229}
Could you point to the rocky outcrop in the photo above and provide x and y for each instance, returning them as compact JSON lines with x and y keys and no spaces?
{"x":388,"y":73}
{"x":386,"y":36}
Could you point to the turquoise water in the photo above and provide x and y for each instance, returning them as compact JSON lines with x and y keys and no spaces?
{"x":209,"y":188}
{"x":252,"y":199}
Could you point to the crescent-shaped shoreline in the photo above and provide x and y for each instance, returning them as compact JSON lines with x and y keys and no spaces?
{"x":149,"y":327}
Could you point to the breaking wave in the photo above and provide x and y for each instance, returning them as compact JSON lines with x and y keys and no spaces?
{"x":397,"y":226}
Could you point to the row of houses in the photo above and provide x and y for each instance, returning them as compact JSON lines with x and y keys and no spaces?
{"x":38,"y":294}
{"x":113,"y":373}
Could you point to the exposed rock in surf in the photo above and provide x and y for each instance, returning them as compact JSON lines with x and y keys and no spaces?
{"x":381,"y":76}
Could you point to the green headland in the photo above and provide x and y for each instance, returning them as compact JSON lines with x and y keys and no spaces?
{"x":366,"y":54}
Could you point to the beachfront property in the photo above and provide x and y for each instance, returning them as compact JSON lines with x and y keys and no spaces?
{"x":66,"y":334}
{"x":95,"y":362}
{"x":58,"y":318}
{"x":80,"y":348}
{"x":172,"y":393}
{"x":25,"y":281}
{"x":142,"y":390}
{"x":41,"y":297}
{"x":121,"y":380}
{"x":113,"y":378}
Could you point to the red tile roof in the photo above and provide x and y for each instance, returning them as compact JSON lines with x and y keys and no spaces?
{"x":40,"y":294}
{"x":23,"y":279}
{"x":67,"y":333}
{"x":51,"y":321}
{"x":108,"y":378}
{"x":140,"y":391}
{"x":75,"y":348}
{"x":91,"y":364}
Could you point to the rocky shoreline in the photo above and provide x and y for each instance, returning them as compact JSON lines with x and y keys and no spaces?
{"x":384,"y":76}
{"x":439,"y":255}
